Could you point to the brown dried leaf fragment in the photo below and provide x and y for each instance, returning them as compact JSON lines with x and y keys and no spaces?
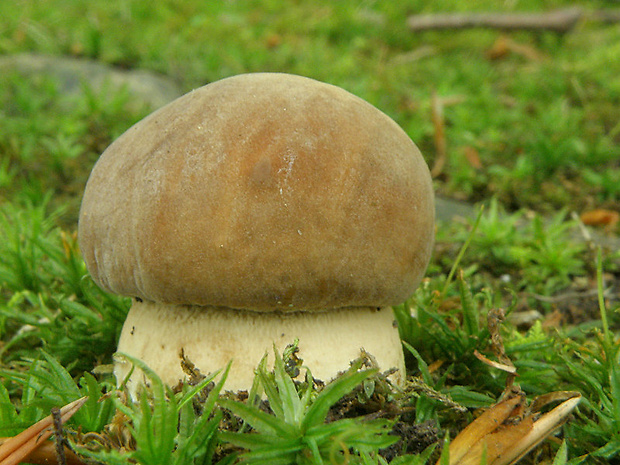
{"x":23,"y":446}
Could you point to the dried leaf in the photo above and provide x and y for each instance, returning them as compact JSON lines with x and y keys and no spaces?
{"x":600,"y":217}
{"x":508,"y":368}
{"x":498,"y":442}
{"x":499,"y":49}
{"x":509,"y":430}
{"x":18,"y":448}
{"x":433,"y":367}
{"x":505,"y":46}
{"x":483,"y":425}
{"x":439,"y":136}
{"x":541,"y":429}
{"x":473,"y":157}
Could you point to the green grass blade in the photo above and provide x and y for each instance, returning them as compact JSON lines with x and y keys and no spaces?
{"x":331,"y":394}
{"x":422,"y":365}
{"x":471,"y":319}
{"x":461,"y":253}
{"x":291,"y":404}
{"x":561,"y":456}
{"x":189,"y":395}
{"x":269,"y":386}
{"x":259,"y":420}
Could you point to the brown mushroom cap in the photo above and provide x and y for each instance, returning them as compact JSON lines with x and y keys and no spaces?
{"x":263,"y":192}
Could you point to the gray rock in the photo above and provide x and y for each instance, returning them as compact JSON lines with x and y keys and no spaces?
{"x":449,"y":210}
{"x":72,"y":73}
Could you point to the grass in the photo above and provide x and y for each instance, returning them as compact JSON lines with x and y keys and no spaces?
{"x":535,"y":138}
{"x":544,"y":129}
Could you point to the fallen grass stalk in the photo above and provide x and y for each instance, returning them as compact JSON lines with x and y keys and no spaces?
{"x":560,"y":21}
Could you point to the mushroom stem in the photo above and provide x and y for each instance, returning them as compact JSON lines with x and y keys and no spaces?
{"x":211,"y":336}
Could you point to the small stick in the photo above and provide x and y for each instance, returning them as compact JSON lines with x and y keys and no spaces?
{"x":560,"y":21}
{"x":421,"y":387}
{"x":607,"y":16}
{"x":59,"y":438}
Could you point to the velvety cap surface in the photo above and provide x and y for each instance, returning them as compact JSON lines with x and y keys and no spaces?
{"x":261,"y":191}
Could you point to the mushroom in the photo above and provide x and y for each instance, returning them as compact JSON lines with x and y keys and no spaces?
{"x":255,"y":210}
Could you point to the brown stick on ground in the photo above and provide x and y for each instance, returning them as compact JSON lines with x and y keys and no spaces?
{"x":557,"y":20}
{"x":607,"y":16}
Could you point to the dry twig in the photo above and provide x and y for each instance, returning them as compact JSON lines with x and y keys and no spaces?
{"x":560,"y":21}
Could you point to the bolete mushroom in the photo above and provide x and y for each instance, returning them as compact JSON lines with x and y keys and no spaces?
{"x":255,"y":210}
